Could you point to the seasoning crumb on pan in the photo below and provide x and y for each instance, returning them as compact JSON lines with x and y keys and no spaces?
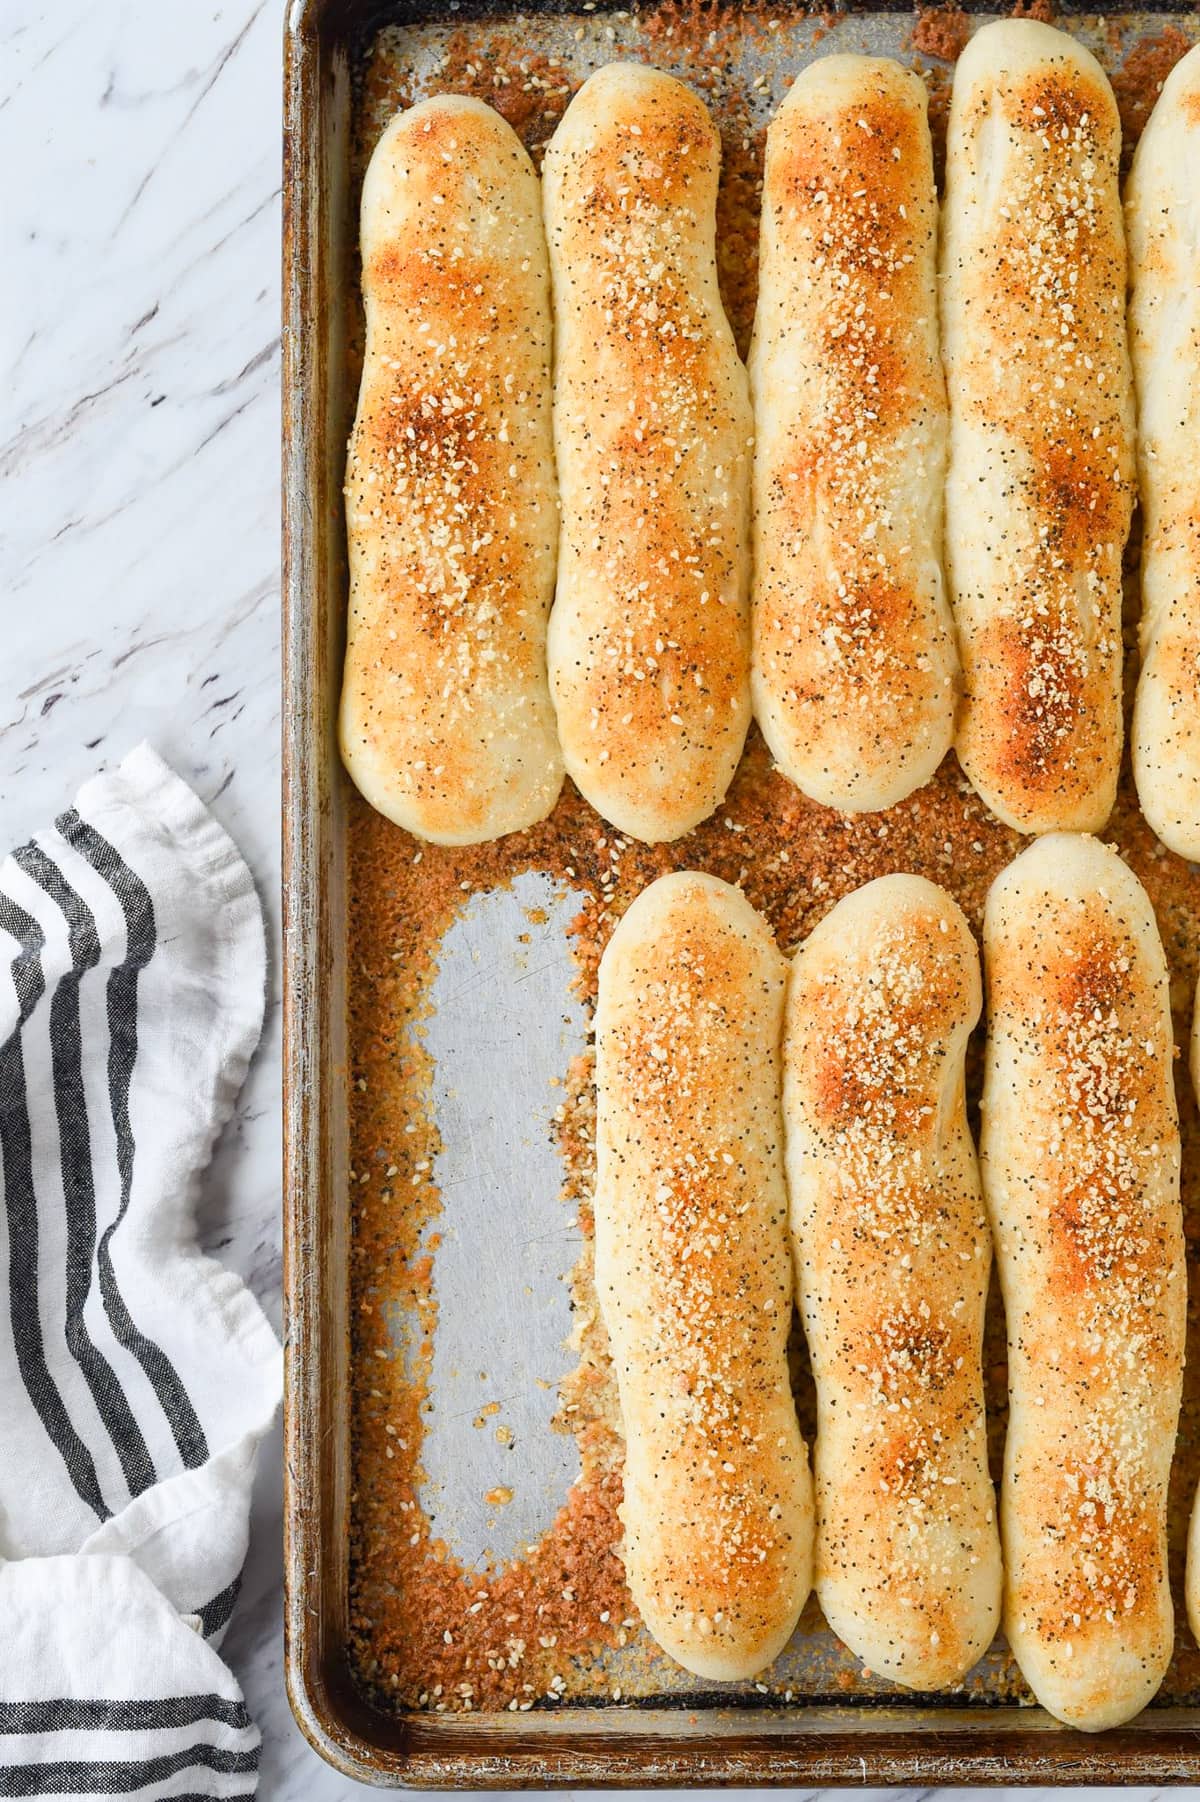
{"x":426,"y":1632}
{"x":1042,"y":10}
{"x":941,"y":31}
{"x":1137,"y":82}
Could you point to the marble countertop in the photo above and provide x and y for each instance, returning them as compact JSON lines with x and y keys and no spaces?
{"x":140,"y":535}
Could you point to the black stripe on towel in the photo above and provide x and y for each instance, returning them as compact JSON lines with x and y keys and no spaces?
{"x":216,"y":1613}
{"x":21,"y":1207}
{"x":79,"y":1192}
{"x":67,"y":1714}
{"x":141,"y":942}
{"x":117,"y":1777}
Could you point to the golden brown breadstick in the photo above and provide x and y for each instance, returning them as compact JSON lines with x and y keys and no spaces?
{"x":446,"y":720}
{"x":855,"y":666}
{"x":1192,"y":1579}
{"x":1080,"y":1161}
{"x":892,"y":1253}
{"x":1040,"y":482}
{"x":1162,"y":214}
{"x":650,"y":634}
{"x":694,"y":1275}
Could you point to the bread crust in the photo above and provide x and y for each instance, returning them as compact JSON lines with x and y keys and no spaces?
{"x":1192,"y":1573}
{"x":1040,"y":481}
{"x":855,"y":668}
{"x":446,"y":723}
{"x":1080,"y":1160}
{"x":892,"y":1253}
{"x":1162,"y":214}
{"x":694,"y":1276}
{"x":650,"y":637}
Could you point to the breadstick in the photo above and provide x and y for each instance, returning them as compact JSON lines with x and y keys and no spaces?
{"x":855,"y":666}
{"x":1080,"y":1161}
{"x":650,"y":634}
{"x":1192,"y":1577}
{"x":446,"y":721}
{"x":1162,"y":213}
{"x":892,"y":1253}
{"x":1040,"y":481}
{"x":694,"y":1277}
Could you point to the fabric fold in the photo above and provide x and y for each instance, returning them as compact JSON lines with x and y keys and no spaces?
{"x":137,"y":1376}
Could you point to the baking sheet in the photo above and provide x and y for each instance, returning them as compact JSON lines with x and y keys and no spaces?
{"x":478,"y":1380}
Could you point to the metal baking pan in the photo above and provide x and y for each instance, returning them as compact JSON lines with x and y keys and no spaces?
{"x":471,"y":1269}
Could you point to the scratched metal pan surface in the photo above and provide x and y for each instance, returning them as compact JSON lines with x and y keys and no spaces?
{"x":491,"y":1094}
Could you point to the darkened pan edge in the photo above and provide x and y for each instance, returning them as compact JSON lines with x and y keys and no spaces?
{"x":355,"y":22}
{"x":906,"y":1744}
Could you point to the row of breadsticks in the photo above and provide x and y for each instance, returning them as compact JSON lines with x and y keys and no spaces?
{"x":904,"y":528}
{"x":767,"y":1133}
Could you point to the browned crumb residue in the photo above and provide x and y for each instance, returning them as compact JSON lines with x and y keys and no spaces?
{"x":941,"y":31}
{"x":425,"y":1632}
{"x":1138,"y":81}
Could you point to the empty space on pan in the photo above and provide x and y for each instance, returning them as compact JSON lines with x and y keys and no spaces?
{"x":495,"y":1473}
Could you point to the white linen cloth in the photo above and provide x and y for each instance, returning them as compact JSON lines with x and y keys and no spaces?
{"x":137,"y":1376}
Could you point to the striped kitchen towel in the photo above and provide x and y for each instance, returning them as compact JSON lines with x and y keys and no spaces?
{"x":137,"y":1376}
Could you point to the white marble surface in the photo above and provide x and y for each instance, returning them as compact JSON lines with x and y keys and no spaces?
{"x":139,"y":446}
